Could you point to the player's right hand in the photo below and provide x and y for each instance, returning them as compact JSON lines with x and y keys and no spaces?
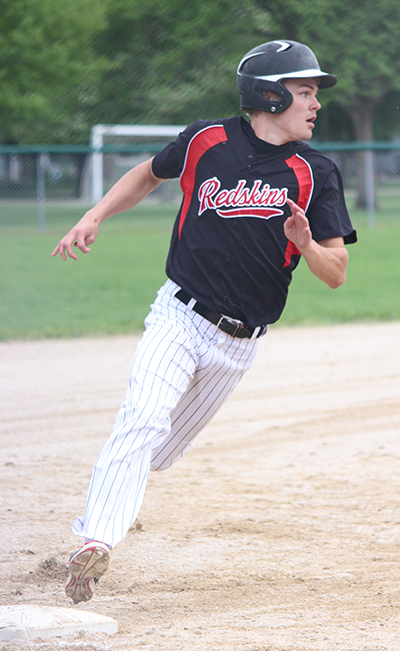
{"x":81,"y":235}
{"x":297,"y":227}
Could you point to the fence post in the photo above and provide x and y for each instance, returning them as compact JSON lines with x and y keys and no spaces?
{"x":41,"y":192}
{"x":97,"y":163}
{"x":370,"y":186}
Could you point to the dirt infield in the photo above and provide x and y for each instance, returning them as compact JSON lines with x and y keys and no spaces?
{"x":278,"y":531}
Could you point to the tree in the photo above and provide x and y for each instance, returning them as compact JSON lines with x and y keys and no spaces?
{"x":358,"y":41}
{"x":173,"y":61}
{"x":48,"y":70}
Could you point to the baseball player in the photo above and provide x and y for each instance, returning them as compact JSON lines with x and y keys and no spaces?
{"x":256,"y":197}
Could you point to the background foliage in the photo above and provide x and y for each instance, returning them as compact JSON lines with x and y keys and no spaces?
{"x":67,"y":66}
{"x":50,"y":74}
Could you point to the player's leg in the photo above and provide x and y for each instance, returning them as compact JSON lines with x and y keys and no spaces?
{"x":161,"y":372}
{"x":221,"y":367}
{"x":175,"y":343}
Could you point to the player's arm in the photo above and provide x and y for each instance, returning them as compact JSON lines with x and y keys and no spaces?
{"x":134,"y":186}
{"x":327,"y":259}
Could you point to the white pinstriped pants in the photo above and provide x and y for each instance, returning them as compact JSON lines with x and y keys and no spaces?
{"x":183,"y":371}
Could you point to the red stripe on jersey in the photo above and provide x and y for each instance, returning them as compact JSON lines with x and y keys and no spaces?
{"x":199,"y":144}
{"x":291,"y":249}
{"x":260,"y":213}
{"x":305,"y":180}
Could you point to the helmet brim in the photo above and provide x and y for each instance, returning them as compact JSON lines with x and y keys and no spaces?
{"x":325,"y":80}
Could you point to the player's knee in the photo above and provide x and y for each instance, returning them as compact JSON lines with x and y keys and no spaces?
{"x":163,"y":458}
{"x":159,"y":467}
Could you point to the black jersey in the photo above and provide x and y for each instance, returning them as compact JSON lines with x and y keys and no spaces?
{"x":228,"y":248}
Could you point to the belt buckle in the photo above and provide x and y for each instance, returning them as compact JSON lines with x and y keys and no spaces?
{"x":229,"y":324}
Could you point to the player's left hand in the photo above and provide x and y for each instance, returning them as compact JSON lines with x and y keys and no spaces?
{"x":297,"y":228}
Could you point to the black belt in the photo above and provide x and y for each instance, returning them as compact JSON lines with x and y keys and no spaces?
{"x":226,"y":325}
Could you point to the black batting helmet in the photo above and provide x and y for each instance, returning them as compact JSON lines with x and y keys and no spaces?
{"x":264,"y":67}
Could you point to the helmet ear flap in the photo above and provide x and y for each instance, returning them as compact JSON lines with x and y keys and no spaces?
{"x":254,"y":95}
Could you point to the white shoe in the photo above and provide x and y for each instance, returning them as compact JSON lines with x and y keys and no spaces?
{"x":86,"y":566}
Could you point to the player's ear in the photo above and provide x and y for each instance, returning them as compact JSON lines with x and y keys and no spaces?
{"x":271,"y":96}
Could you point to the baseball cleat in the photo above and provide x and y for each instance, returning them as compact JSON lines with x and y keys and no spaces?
{"x":86,"y":566}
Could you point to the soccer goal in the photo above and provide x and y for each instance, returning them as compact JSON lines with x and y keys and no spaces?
{"x":119,"y":147}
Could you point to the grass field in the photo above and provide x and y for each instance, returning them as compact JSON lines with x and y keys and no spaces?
{"x":109,"y":291}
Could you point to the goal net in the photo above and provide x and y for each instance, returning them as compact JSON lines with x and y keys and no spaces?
{"x":118,"y":148}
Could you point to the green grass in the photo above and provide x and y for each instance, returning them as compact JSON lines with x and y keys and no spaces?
{"x":105,"y":292}
{"x":371,"y":291}
{"x":22,"y":218}
{"x":110,"y":290}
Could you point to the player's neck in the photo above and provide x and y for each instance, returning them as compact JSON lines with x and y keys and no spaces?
{"x":265,"y":128}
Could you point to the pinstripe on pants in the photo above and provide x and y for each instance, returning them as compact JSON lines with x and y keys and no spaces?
{"x":183,"y":371}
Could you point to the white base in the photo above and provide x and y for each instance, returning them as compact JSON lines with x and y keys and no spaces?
{"x":29,"y":622}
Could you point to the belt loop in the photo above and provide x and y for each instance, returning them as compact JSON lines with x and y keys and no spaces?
{"x":263,"y":330}
{"x":256,"y":332}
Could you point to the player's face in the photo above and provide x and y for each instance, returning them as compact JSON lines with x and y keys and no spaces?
{"x":297,"y":122}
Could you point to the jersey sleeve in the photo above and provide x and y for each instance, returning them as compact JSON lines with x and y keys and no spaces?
{"x":168,"y":163}
{"x":327,"y":213}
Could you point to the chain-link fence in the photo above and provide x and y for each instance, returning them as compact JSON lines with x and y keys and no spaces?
{"x":40,"y":186}
{"x":371,"y":177}
{"x":45,"y":190}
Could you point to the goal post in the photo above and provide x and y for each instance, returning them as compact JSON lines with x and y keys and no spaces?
{"x":156,"y":136}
